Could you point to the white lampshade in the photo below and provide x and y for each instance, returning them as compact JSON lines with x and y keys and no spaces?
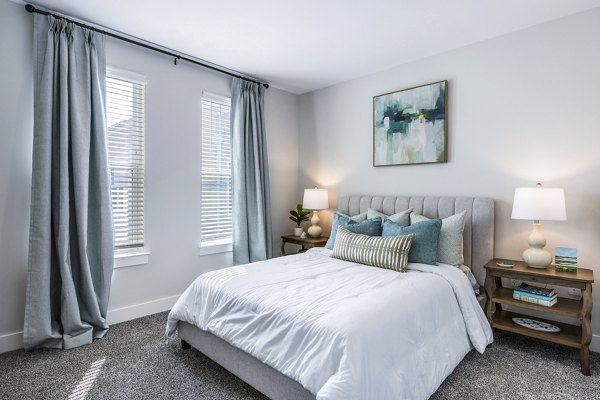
{"x":315,"y":199}
{"x":539,"y":204}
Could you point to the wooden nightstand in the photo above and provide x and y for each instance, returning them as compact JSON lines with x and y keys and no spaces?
{"x":305,"y":243}
{"x":569,"y":335}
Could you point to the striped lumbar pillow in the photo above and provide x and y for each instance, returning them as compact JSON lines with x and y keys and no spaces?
{"x":389,"y":252}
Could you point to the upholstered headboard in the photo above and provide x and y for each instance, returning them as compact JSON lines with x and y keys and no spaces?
{"x":478,"y":236}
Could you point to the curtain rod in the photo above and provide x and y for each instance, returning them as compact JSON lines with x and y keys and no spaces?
{"x":148,"y":45}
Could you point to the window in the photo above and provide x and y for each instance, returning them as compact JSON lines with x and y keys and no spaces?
{"x":216,"y":215}
{"x":125,"y":123}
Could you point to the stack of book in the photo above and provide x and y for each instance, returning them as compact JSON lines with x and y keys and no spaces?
{"x":535,"y":295}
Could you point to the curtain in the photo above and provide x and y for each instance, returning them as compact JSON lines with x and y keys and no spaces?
{"x":71,"y":233}
{"x":251,"y":203}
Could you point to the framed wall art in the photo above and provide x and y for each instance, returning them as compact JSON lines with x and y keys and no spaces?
{"x":410,"y":126}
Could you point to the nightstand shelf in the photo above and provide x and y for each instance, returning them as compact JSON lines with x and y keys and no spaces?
{"x":565,"y":307}
{"x":569,"y":335}
{"x":577,"y":336}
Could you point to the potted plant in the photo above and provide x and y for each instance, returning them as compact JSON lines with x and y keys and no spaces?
{"x":299,"y":215}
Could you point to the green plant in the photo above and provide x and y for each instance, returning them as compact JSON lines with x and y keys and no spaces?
{"x":299,"y":215}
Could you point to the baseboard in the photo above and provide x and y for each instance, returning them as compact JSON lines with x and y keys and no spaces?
{"x":123,"y":314}
{"x":14,"y":341}
{"x":11,"y":341}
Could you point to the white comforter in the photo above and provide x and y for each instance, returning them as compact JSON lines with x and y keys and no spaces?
{"x":341,"y":329}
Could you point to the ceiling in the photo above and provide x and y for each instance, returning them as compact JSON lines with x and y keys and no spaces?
{"x":304,"y":45}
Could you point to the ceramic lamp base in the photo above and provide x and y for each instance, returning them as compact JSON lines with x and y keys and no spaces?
{"x":314,"y":230}
{"x":535,"y":256}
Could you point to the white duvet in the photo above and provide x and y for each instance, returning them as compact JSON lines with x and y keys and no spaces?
{"x":341,"y":329}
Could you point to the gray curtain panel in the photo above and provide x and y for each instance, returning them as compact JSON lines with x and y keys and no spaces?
{"x":71,"y":232}
{"x":251,"y":203}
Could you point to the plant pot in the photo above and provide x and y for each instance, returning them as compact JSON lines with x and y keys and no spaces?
{"x":297,"y":231}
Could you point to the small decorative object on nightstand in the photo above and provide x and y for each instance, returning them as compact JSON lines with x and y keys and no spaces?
{"x":537,"y":204}
{"x":315,"y":199}
{"x":565,"y":259}
{"x":569,"y":335}
{"x":305,"y":243}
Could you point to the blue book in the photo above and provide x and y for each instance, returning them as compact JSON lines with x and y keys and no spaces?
{"x":535,"y":290}
{"x":533,"y":300}
{"x":536,"y":296}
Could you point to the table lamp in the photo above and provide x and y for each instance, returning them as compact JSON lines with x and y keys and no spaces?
{"x":315,"y":200}
{"x":538,"y":203}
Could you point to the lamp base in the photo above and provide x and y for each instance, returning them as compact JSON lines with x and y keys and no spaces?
{"x":535,"y":256}
{"x":314,"y":231}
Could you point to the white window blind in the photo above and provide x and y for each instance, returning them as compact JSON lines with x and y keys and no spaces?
{"x":216,"y":207}
{"x":125,"y":122}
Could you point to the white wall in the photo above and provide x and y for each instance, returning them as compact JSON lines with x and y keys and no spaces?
{"x":172,"y":174}
{"x":523,"y":108}
{"x":16,"y":126}
{"x":282,"y":116}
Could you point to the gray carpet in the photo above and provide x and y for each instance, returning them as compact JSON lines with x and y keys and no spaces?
{"x":139,"y":363}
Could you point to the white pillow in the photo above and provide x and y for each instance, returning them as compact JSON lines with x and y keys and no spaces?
{"x":450,"y":244}
{"x":402,"y":218}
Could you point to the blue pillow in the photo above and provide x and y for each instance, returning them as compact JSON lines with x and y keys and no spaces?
{"x":424,"y":247}
{"x":368,"y":227}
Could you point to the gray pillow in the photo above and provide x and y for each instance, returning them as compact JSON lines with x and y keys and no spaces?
{"x":384,"y":252}
{"x":403,"y":217}
{"x":358,"y":218}
{"x":371,"y":227}
{"x":450,"y":245}
{"x":424,"y":247}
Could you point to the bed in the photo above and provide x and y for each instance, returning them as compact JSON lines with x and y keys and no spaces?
{"x":309,"y":326}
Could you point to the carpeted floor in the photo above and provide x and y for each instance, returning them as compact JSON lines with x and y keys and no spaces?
{"x":135,"y":361}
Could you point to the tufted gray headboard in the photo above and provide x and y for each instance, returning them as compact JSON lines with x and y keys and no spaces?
{"x":478,"y":236}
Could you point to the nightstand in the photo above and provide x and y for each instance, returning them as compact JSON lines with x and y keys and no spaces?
{"x":305,"y":243}
{"x":570,"y":335}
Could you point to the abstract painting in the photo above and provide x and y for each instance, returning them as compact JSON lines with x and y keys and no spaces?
{"x":565,"y":259}
{"x":410,"y":126}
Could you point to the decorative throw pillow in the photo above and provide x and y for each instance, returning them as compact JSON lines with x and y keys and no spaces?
{"x":384,"y":252}
{"x":366,"y":227}
{"x":450,"y":246}
{"x":358,"y":218}
{"x":402,"y":217}
{"x":424,"y":247}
